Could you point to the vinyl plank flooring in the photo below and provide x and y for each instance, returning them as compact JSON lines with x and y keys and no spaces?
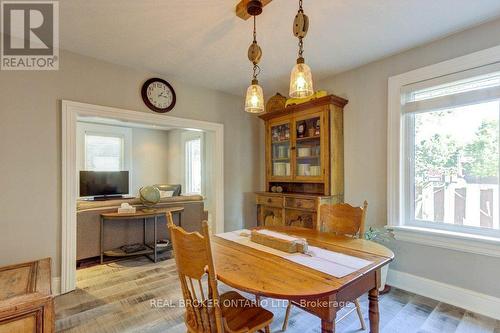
{"x":444,"y":318}
{"x":121,"y":307}
{"x":124,"y":293}
{"x":119,"y":297}
{"x":412,"y":315}
{"x":475,"y":323}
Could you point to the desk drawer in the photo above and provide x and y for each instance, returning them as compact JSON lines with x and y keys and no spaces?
{"x":300,"y":203}
{"x":271,"y":201}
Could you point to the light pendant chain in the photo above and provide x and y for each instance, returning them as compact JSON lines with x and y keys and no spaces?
{"x":256,"y":71}
{"x":301,"y":25}
{"x":255,"y":29}
{"x":301,"y":42}
{"x":256,"y":68}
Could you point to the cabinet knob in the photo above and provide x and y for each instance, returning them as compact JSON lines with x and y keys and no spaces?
{"x":269,"y":200}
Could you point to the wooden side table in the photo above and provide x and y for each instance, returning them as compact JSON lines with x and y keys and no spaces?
{"x":26,"y":302}
{"x":139,"y":215}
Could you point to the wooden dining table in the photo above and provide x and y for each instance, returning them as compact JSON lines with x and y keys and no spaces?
{"x":267,"y":275}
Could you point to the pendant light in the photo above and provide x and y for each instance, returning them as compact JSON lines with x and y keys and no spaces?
{"x":301,"y":84}
{"x":254,"y":101}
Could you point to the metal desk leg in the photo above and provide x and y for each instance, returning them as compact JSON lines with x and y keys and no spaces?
{"x":102,"y":240}
{"x":155,"y":240}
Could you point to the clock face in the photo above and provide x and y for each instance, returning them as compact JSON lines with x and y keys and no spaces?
{"x":158,"y":95}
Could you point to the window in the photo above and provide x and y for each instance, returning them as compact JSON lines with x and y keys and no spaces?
{"x":104,"y":153}
{"x":450,"y":147}
{"x":193,"y":155}
{"x":102,"y":147}
{"x":454,"y":172}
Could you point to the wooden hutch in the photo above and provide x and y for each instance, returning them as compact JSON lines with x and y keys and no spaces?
{"x":305,"y":159}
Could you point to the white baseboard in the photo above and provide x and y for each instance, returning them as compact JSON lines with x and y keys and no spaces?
{"x":56,"y":286}
{"x":462,"y":298}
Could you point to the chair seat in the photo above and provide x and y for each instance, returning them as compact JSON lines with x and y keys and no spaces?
{"x":240,"y":312}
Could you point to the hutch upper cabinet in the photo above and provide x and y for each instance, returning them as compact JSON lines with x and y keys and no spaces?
{"x":305,"y":160}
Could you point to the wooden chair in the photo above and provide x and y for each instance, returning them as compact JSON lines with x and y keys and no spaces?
{"x":341,"y":220}
{"x":206,"y":311}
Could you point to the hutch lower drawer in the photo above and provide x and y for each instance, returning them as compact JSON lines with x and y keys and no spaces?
{"x":286,"y":209}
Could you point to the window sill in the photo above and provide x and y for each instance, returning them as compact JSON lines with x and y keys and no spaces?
{"x":489,"y":246}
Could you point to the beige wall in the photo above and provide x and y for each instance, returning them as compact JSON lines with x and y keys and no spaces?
{"x":150,"y":158}
{"x":366,"y":154}
{"x":30,"y":146}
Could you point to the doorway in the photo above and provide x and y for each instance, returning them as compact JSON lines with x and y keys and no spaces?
{"x":72,"y":112}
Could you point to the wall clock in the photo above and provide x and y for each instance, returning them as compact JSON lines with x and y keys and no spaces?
{"x":158,"y":95}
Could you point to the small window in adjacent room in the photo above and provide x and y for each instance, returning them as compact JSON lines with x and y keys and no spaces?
{"x":193,"y":152}
{"x":104,"y":153}
{"x":451,"y":149}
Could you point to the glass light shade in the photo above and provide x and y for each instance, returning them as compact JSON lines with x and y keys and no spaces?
{"x":301,"y":84}
{"x":254,"y":102}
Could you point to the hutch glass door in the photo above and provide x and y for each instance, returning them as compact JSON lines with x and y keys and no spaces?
{"x":280,"y":151}
{"x":308,"y":148}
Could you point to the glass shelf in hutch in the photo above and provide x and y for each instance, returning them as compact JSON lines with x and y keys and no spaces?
{"x":304,"y":162}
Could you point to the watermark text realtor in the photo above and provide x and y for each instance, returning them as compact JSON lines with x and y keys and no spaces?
{"x":30,"y":35}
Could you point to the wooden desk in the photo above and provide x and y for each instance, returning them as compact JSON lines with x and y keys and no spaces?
{"x":264,"y":274}
{"x":138,"y":215}
{"x":26,"y":302}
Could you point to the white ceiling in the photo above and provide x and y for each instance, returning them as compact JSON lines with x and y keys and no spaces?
{"x":202,"y":42}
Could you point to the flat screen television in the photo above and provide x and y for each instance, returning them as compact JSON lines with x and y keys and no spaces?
{"x":103,"y":183}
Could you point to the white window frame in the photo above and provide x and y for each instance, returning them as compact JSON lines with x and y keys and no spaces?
{"x":124,"y":133}
{"x":189,"y":136}
{"x":480,"y":243}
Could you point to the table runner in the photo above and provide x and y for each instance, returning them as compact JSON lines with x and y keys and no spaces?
{"x":329,"y":262}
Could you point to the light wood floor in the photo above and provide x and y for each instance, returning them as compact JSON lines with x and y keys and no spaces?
{"x":117,"y":298}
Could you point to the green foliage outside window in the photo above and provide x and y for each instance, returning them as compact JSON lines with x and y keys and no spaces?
{"x":441,"y":154}
{"x":482,"y":153}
